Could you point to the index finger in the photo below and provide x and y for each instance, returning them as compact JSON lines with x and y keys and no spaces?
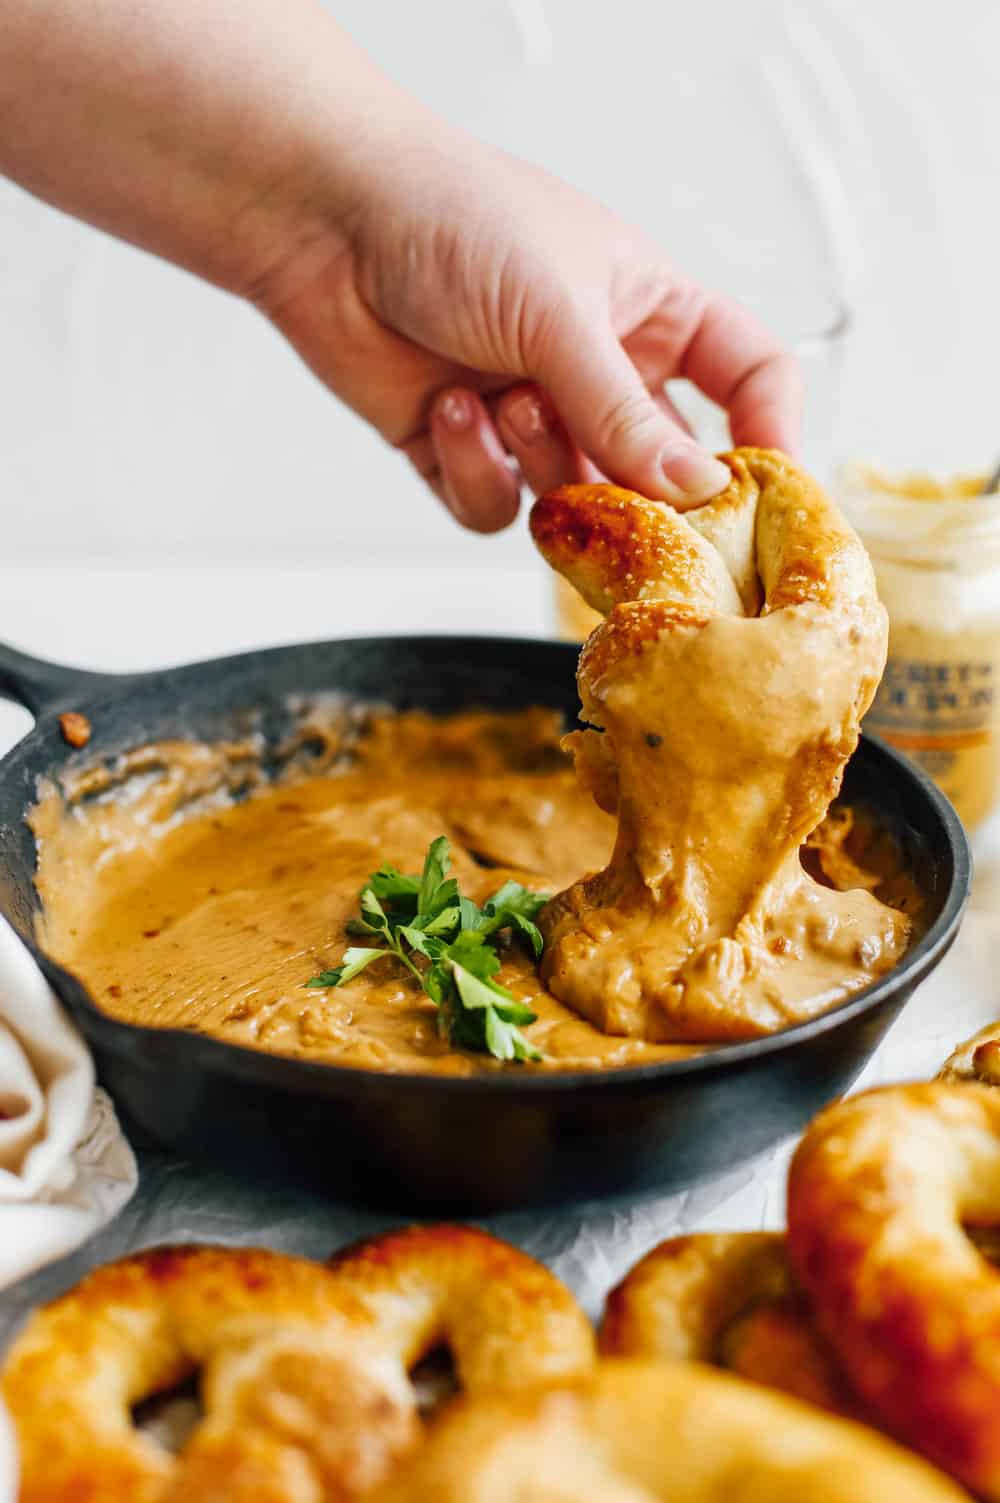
{"x":739,"y":364}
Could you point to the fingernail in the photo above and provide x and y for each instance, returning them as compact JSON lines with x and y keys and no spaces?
{"x":455,"y":410}
{"x":692,"y":474}
{"x":528,"y":418}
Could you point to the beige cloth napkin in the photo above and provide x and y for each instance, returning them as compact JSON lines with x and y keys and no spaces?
{"x":65,"y":1166}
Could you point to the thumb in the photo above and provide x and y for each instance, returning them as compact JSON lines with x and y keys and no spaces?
{"x":613,"y":418}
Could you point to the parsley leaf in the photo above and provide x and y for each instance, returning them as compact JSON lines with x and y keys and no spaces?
{"x":436,"y":864}
{"x":513,"y":898}
{"x":355,"y":961}
{"x":391,"y":886}
{"x":427,"y":917}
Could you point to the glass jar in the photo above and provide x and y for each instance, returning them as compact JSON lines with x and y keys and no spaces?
{"x":935,"y":546}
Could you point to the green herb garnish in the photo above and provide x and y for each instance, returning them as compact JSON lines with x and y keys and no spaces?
{"x":443,"y":940}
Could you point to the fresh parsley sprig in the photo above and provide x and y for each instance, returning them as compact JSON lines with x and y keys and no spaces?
{"x":443,"y":940}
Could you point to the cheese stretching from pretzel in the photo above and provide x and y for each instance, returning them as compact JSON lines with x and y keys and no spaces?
{"x":742,"y":643}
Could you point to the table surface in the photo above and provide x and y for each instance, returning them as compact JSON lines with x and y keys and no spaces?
{"x":115,"y":616}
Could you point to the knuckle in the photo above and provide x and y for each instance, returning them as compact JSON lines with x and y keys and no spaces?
{"x":624,"y":421}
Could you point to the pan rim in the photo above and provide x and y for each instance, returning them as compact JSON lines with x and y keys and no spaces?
{"x":283,"y":1070}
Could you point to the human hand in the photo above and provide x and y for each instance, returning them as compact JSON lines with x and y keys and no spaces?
{"x":468,"y":305}
{"x":476,"y":308}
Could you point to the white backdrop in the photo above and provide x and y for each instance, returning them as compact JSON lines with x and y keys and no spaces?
{"x":844,"y":146}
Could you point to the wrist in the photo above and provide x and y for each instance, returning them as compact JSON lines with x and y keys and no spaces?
{"x":359,"y":144}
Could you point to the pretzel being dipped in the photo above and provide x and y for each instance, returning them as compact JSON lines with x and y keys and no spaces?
{"x":637,"y":1432}
{"x":879,"y":1192}
{"x":742,"y":643}
{"x":728,"y":1299}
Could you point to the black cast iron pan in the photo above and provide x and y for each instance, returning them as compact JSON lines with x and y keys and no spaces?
{"x":426,"y":1145}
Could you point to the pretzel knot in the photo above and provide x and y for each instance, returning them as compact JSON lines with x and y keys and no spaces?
{"x":730,"y":1299}
{"x":304,"y":1372}
{"x":879,"y":1193}
{"x":505,"y":1318}
{"x":741,"y":645}
{"x":637,"y":1432}
{"x":977,"y":1058}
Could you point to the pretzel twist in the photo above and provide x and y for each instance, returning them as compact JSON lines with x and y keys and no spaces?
{"x":299,"y":1404}
{"x":635,"y":1432}
{"x":742,"y":643}
{"x":505,"y":1318}
{"x":728,"y":1299}
{"x":977,"y":1058}
{"x":304,"y":1369}
{"x":879,"y":1192}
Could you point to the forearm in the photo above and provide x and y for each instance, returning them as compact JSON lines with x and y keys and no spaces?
{"x":210,"y":134}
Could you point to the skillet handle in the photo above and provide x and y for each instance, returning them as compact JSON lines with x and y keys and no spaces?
{"x":39,"y":685}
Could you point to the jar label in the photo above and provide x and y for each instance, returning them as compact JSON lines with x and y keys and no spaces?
{"x":941,"y":713}
{"x":934,"y":706}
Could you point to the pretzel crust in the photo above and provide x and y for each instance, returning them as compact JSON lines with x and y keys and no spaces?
{"x":303,"y":1368}
{"x":976,"y":1058}
{"x":727,"y":1298}
{"x":878,"y":1193}
{"x":635,"y":1432}
{"x":615,"y":546}
{"x":297,"y":1398}
{"x":506,"y":1318}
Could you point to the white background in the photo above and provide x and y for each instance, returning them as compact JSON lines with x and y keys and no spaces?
{"x":174,"y":484}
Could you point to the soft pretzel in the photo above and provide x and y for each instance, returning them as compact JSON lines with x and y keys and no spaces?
{"x":506,"y":1319}
{"x":304,"y":1369}
{"x":879,"y":1191}
{"x":977,"y":1058}
{"x":742,"y":643}
{"x":729,"y":1299}
{"x":635,"y":1432}
{"x":300,"y":1405}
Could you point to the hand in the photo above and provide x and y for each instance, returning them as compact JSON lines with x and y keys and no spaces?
{"x":477,"y":308}
{"x":469,"y":306}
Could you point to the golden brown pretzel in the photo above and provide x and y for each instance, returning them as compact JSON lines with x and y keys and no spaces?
{"x":635,"y":1432}
{"x":742,"y":643}
{"x":506,"y":1319}
{"x":878,"y":1193}
{"x":977,"y":1058}
{"x":304,"y":1369}
{"x":727,"y":1298}
{"x":300,"y":1404}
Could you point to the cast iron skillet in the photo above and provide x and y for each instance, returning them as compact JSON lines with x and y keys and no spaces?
{"x":425,"y":1144}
